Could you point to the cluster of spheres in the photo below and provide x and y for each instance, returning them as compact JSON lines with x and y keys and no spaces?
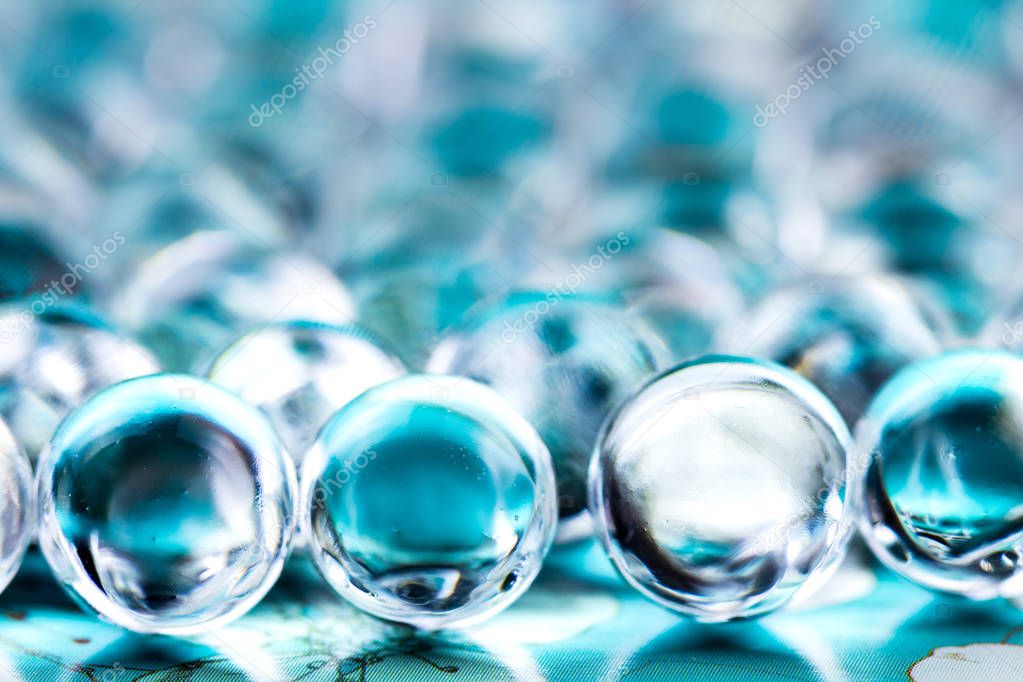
{"x":458,"y":302}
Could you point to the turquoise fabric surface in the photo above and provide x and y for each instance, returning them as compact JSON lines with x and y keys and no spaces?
{"x":578,"y":622}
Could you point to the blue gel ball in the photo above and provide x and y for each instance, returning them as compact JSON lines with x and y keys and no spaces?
{"x":428,"y":500}
{"x":718,"y":489}
{"x":166,"y":504}
{"x":940,"y":475}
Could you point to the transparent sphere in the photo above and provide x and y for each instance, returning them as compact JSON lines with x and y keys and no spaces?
{"x":51,"y":362}
{"x":195,"y":296}
{"x":429,"y":500}
{"x":847,"y":336}
{"x":300,"y":373}
{"x":940,"y":480}
{"x":166,"y":504}
{"x":17,"y":505}
{"x":719,"y":489}
{"x":563,"y":364}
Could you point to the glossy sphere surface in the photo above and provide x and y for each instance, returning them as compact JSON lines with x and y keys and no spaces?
{"x":17,"y":507}
{"x":300,"y":373}
{"x":166,"y":504}
{"x":51,"y":362}
{"x":942,"y":483}
{"x":563,"y":365}
{"x":719,"y":489}
{"x":428,"y":500}
{"x":847,"y":336}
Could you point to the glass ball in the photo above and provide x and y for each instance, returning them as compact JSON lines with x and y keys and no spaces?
{"x":718,"y":489}
{"x":847,"y":336}
{"x":428,"y":500}
{"x":940,"y":481}
{"x":300,"y":373}
{"x":166,"y":504}
{"x":53,"y":361}
{"x":17,"y":505}
{"x":195,"y":296}
{"x":563,"y":362}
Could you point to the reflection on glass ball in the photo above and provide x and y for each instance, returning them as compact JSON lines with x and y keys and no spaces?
{"x":300,"y":373}
{"x":563,"y":362}
{"x":166,"y":504}
{"x":718,"y":490}
{"x":428,"y":500}
{"x":941,"y":481}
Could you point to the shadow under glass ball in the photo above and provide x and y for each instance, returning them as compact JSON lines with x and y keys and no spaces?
{"x":166,"y":504}
{"x":431,"y":511}
{"x":942,"y":486}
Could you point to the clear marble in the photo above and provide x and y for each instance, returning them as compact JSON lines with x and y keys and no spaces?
{"x":718,"y":489}
{"x":52,"y":360}
{"x":563,"y":362}
{"x":846,"y":335}
{"x":300,"y":373}
{"x":17,"y":505}
{"x":428,"y":500}
{"x":192,"y":298}
{"x":166,"y":504}
{"x":940,"y":475}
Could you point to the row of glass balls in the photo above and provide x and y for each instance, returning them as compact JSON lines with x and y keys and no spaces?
{"x":722,"y":488}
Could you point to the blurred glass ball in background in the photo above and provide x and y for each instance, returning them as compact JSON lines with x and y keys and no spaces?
{"x":300,"y":373}
{"x":52,"y":360}
{"x":847,"y":336}
{"x":562,"y":361}
{"x":940,"y":480}
{"x":429,"y":501}
{"x":192,"y":298}
{"x":17,"y":505}
{"x":718,"y":490}
{"x":166,"y":504}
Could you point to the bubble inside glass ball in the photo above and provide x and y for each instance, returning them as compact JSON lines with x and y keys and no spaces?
{"x":719,"y":488}
{"x":166,"y":504}
{"x":563,"y":364}
{"x":429,"y":501}
{"x":941,"y":484}
{"x":17,"y":508}
{"x":300,"y":373}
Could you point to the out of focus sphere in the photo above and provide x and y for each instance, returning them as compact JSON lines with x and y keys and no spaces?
{"x":563,"y":364}
{"x":428,"y":500}
{"x":719,"y":489}
{"x":166,"y":504}
{"x":192,"y":298}
{"x":847,"y":336}
{"x":51,"y":362}
{"x":941,"y":486}
{"x":17,"y":505}
{"x":300,"y":373}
